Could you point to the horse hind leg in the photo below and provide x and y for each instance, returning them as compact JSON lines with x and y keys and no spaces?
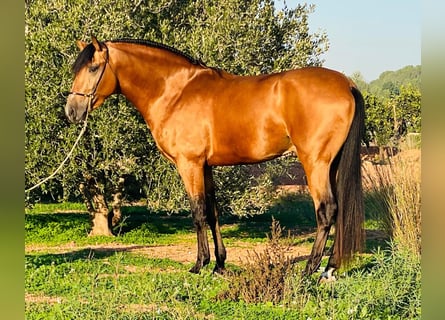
{"x":328,"y":274}
{"x":325,"y":210}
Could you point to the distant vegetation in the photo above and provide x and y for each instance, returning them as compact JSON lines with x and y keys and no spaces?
{"x":393,"y":104}
{"x":389,"y":82}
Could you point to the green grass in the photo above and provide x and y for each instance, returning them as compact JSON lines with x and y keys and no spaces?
{"x":84,"y":283}
{"x":56,"y":224}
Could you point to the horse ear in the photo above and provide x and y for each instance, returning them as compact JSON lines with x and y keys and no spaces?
{"x":81,"y":44}
{"x":96,"y":43}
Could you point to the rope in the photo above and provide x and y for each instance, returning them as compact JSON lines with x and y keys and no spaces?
{"x":52,"y":175}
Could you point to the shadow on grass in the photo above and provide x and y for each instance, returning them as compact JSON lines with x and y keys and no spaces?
{"x":160,"y":222}
{"x":71,"y":256}
{"x":294,"y":212}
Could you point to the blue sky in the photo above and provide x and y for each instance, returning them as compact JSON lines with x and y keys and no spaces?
{"x":367,"y":36}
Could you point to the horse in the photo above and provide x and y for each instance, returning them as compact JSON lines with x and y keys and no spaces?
{"x":201,"y":117}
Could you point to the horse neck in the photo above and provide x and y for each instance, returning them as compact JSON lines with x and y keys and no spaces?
{"x":148,"y":75}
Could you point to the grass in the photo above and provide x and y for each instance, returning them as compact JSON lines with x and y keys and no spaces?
{"x":85,"y":283}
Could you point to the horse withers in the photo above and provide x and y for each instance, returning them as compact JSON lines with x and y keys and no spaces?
{"x":202,"y":117}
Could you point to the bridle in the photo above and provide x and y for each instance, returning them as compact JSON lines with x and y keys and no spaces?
{"x":91,"y":95}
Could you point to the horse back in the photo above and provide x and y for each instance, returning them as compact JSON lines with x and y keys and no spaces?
{"x":228,"y":120}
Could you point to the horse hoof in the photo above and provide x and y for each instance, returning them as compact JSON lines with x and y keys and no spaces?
{"x":219,"y":270}
{"x":195,"y":269}
{"x":327,"y":277}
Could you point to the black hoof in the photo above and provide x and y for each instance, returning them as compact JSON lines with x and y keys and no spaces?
{"x":195,"y":269}
{"x":219,"y":270}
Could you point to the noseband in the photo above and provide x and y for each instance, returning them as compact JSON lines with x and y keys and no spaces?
{"x":91,"y":95}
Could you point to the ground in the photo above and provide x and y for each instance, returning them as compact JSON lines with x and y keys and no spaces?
{"x":237,"y":252}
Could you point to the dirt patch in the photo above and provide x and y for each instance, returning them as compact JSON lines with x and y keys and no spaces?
{"x":235,"y":254}
{"x":183,"y":253}
{"x":32,"y":298}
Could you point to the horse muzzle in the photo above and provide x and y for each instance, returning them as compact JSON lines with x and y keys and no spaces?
{"x":75,"y":110}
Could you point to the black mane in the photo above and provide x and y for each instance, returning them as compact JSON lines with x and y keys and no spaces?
{"x":154,"y":44}
{"x":87,"y":53}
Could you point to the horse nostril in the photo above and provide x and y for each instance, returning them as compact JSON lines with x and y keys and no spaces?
{"x":70,"y":113}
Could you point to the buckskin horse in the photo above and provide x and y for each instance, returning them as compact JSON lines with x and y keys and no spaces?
{"x":202,"y":117}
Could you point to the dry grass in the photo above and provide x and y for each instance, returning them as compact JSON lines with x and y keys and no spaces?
{"x":394,"y":189}
{"x":267,"y":275}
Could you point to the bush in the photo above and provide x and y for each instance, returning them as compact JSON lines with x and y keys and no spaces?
{"x":268,"y":276}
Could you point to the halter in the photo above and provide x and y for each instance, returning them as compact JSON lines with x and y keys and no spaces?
{"x":93,"y":92}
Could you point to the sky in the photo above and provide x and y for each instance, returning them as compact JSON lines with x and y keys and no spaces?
{"x":367,"y":36}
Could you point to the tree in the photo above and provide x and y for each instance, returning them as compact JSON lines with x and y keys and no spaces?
{"x":393,"y":103}
{"x":245,"y":37}
{"x":408,"y":114}
{"x":389,"y":120}
{"x":378,"y":121}
{"x":360,"y":81}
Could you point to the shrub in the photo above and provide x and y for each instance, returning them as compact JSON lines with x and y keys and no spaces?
{"x":267,"y":275}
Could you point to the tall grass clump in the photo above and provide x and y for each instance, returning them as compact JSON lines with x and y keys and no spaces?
{"x":393,"y":192}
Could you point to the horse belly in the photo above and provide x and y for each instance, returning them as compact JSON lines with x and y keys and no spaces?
{"x":248,"y":144}
{"x":247,"y":123}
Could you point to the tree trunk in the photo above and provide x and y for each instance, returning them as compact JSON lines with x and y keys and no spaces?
{"x":116,"y":214}
{"x":97,"y":206}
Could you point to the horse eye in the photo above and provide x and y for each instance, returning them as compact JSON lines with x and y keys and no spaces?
{"x":93,"y":68}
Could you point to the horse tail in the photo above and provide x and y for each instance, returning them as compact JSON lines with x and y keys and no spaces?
{"x":349,"y":230}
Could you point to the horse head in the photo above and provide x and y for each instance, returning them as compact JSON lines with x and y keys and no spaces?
{"x":94,"y":80}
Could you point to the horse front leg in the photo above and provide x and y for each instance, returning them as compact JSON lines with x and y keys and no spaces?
{"x":193,"y":178}
{"x":198,"y":207}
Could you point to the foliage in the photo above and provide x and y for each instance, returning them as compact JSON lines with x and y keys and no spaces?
{"x":245,"y":37}
{"x":378,"y":121}
{"x":389,"y":120}
{"x":407,"y":111}
{"x":393,"y":105}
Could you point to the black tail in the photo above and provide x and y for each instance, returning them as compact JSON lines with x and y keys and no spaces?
{"x":349,"y":234}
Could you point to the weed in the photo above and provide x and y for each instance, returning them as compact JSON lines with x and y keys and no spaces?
{"x":266,"y":274}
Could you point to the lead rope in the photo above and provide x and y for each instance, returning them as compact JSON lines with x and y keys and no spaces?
{"x":52,"y":175}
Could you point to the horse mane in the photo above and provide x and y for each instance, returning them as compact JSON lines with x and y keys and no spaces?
{"x":158,"y":45}
{"x":87,"y":53}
